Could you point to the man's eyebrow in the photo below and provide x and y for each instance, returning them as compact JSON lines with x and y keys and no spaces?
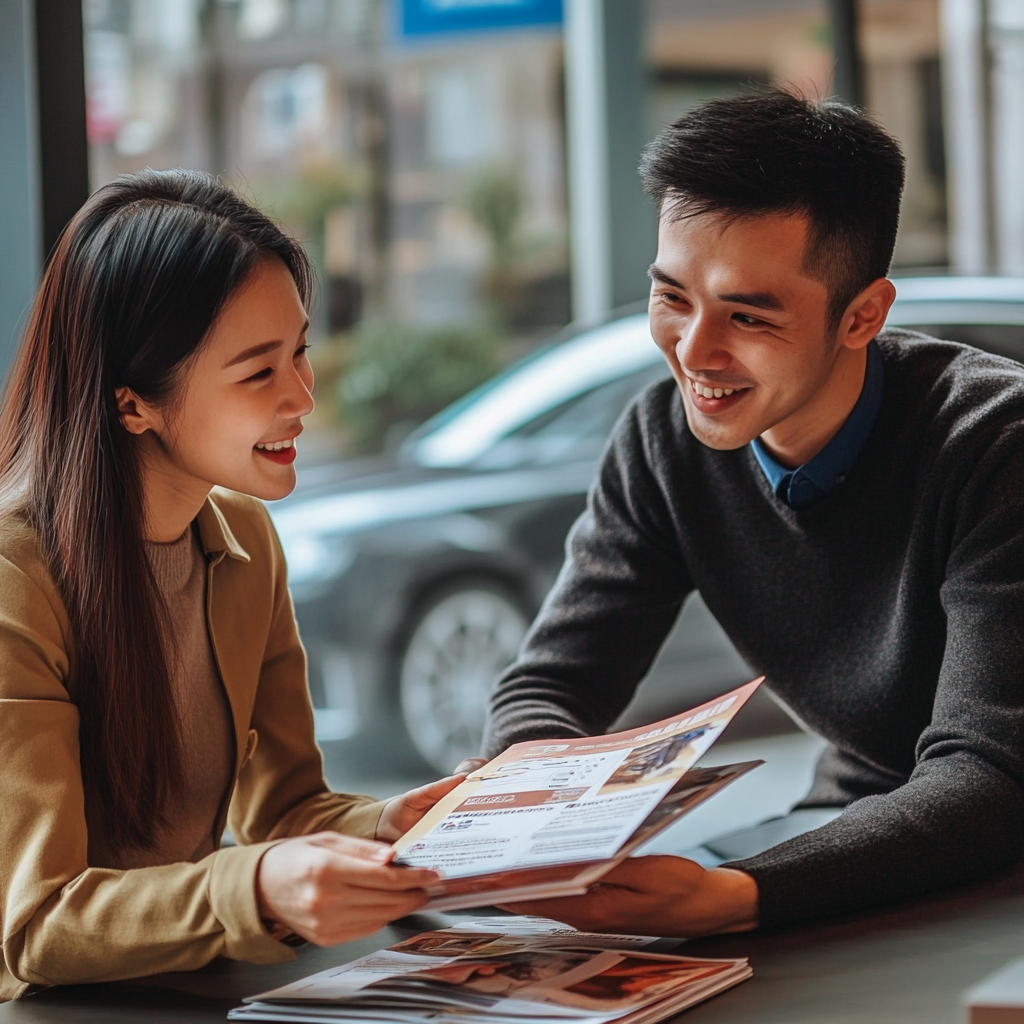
{"x":262,"y":349}
{"x":760,"y":300}
{"x":655,"y":273}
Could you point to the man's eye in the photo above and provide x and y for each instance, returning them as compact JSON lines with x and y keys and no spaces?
{"x":747,"y":320}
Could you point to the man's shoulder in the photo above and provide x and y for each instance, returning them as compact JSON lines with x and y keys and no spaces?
{"x":948,"y":365}
{"x":951,"y":387}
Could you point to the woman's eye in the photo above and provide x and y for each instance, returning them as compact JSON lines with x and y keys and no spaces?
{"x":302,"y":350}
{"x":262,"y":375}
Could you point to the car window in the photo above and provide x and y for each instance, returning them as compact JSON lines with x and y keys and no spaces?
{"x":558,"y":376}
{"x":1002,"y":339}
{"x":573,"y":431}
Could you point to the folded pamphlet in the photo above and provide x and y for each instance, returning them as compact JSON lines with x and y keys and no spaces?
{"x":548,"y":818}
{"x":503,"y":970}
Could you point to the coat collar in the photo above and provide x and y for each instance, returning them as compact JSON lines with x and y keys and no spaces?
{"x":215,"y":534}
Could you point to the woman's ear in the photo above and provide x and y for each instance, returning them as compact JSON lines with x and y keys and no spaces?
{"x":136,"y":415}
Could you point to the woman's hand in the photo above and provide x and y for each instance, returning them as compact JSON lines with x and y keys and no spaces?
{"x":402,"y":812}
{"x":658,"y":895}
{"x":331,"y":888}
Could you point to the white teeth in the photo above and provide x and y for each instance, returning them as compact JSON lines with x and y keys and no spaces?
{"x":707,"y":392}
{"x":276,"y":446}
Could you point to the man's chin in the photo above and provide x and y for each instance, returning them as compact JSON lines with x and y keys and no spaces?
{"x":719,"y":436}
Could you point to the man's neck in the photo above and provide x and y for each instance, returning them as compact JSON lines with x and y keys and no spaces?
{"x":797,"y":439}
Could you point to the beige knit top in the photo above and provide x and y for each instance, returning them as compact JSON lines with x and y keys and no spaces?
{"x":206,"y":731}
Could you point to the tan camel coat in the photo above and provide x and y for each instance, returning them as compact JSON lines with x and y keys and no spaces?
{"x":66,"y":921}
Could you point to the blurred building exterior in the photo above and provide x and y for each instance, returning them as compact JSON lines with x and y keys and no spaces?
{"x":469,"y":167}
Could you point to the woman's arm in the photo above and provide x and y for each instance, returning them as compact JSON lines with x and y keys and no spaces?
{"x":62,"y":920}
{"x":65,"y":922}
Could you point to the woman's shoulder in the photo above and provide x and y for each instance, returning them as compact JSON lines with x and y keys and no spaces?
{"x":35,"y":635}
{"x":22,"y":563}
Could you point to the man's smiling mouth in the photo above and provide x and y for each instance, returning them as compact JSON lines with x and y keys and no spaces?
{"x":712,"y":391}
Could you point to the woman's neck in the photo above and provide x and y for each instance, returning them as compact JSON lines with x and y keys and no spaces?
{"x":171,"y":497}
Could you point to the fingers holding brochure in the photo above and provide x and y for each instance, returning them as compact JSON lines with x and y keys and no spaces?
{"x":330,"y":888}
{"x":659,"y":895}
{"x":402,"y":812}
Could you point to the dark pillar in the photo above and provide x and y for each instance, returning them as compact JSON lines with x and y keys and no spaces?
{"x":63,"y":146}
{"x":19,"y":172}
{"x":631,"y":216}
{"x":612,"y":226}
{"x":848,"y":82}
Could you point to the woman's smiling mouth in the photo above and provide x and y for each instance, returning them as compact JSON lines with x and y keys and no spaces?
{"x":281,"y":452}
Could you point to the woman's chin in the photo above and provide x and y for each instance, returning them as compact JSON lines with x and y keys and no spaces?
{"x":264,"y":489}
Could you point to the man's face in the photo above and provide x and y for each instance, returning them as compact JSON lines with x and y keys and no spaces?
{"x":742,"y":326}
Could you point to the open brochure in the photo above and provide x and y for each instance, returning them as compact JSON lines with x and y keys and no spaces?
{"x":503,"y":970}
{"x":549,"y":818}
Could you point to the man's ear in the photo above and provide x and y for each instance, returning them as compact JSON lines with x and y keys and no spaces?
{"x":136,"y":415}
{"x":865,"y":315}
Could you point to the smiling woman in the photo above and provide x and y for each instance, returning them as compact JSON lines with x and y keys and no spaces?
{"x":152,"y":682}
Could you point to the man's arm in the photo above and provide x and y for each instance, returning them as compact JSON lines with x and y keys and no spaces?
{"x":961,"y":813}
{"x":615,"y":600}
{"x":959,"y":816}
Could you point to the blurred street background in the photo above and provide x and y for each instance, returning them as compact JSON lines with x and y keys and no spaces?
{"x":463,"y":175}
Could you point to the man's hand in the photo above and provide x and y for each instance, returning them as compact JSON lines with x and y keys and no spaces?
{"x":658,"y":895}
{"x":330,"y":888}
{"x":402,"y":812}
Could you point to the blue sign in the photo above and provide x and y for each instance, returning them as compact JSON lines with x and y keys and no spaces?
{"x":432,"y":17}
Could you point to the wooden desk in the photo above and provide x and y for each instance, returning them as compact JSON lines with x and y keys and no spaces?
{"x":909,"y":965}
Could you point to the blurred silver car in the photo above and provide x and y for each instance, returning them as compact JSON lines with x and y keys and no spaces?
{"x":415,"y":580}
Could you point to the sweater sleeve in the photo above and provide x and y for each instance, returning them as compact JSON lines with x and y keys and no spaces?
{"x":618,"y":594}
{"x":961,"y":813}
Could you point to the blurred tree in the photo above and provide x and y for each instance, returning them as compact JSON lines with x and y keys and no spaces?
{"x":495,"y":202}
{"x":398,"y":375}
{"x":304,"y":202}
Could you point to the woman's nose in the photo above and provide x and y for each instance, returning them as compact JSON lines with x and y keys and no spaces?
{"x":298,"y":400}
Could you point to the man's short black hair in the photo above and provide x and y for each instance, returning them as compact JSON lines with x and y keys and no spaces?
{"x":773,"y":152}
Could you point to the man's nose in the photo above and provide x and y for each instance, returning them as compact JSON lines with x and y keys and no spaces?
{"x":700,"y":346}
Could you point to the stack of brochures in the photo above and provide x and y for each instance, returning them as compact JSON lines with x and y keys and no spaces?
{"x":549,"y":818}
{"x":503,"y":970}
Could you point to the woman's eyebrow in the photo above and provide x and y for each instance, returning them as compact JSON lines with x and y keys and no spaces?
{"x":252,"y":352}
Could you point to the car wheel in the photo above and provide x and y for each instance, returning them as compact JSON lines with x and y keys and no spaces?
{"x":459,"y":644}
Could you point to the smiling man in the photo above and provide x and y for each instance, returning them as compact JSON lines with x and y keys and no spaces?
{"x":849,"y":502}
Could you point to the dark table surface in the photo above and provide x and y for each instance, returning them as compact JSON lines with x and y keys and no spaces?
{"x":907,"y":965}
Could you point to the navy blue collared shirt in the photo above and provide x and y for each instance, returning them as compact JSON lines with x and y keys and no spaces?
{"x":827,"y":470}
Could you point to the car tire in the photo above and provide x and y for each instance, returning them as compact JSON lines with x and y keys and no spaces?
{"x":457,"y":645}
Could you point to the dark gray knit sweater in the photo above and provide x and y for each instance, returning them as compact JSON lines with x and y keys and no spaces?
{"x":889,"y":616}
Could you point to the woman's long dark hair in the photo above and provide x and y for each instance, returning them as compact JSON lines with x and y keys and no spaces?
{"x":134,"y":286}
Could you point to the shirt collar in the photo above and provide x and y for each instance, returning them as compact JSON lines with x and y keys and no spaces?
{"x":828,"y":469}
{"x":215,"y":534}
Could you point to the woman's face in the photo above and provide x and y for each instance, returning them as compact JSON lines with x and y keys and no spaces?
{"x":239,"y":411}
